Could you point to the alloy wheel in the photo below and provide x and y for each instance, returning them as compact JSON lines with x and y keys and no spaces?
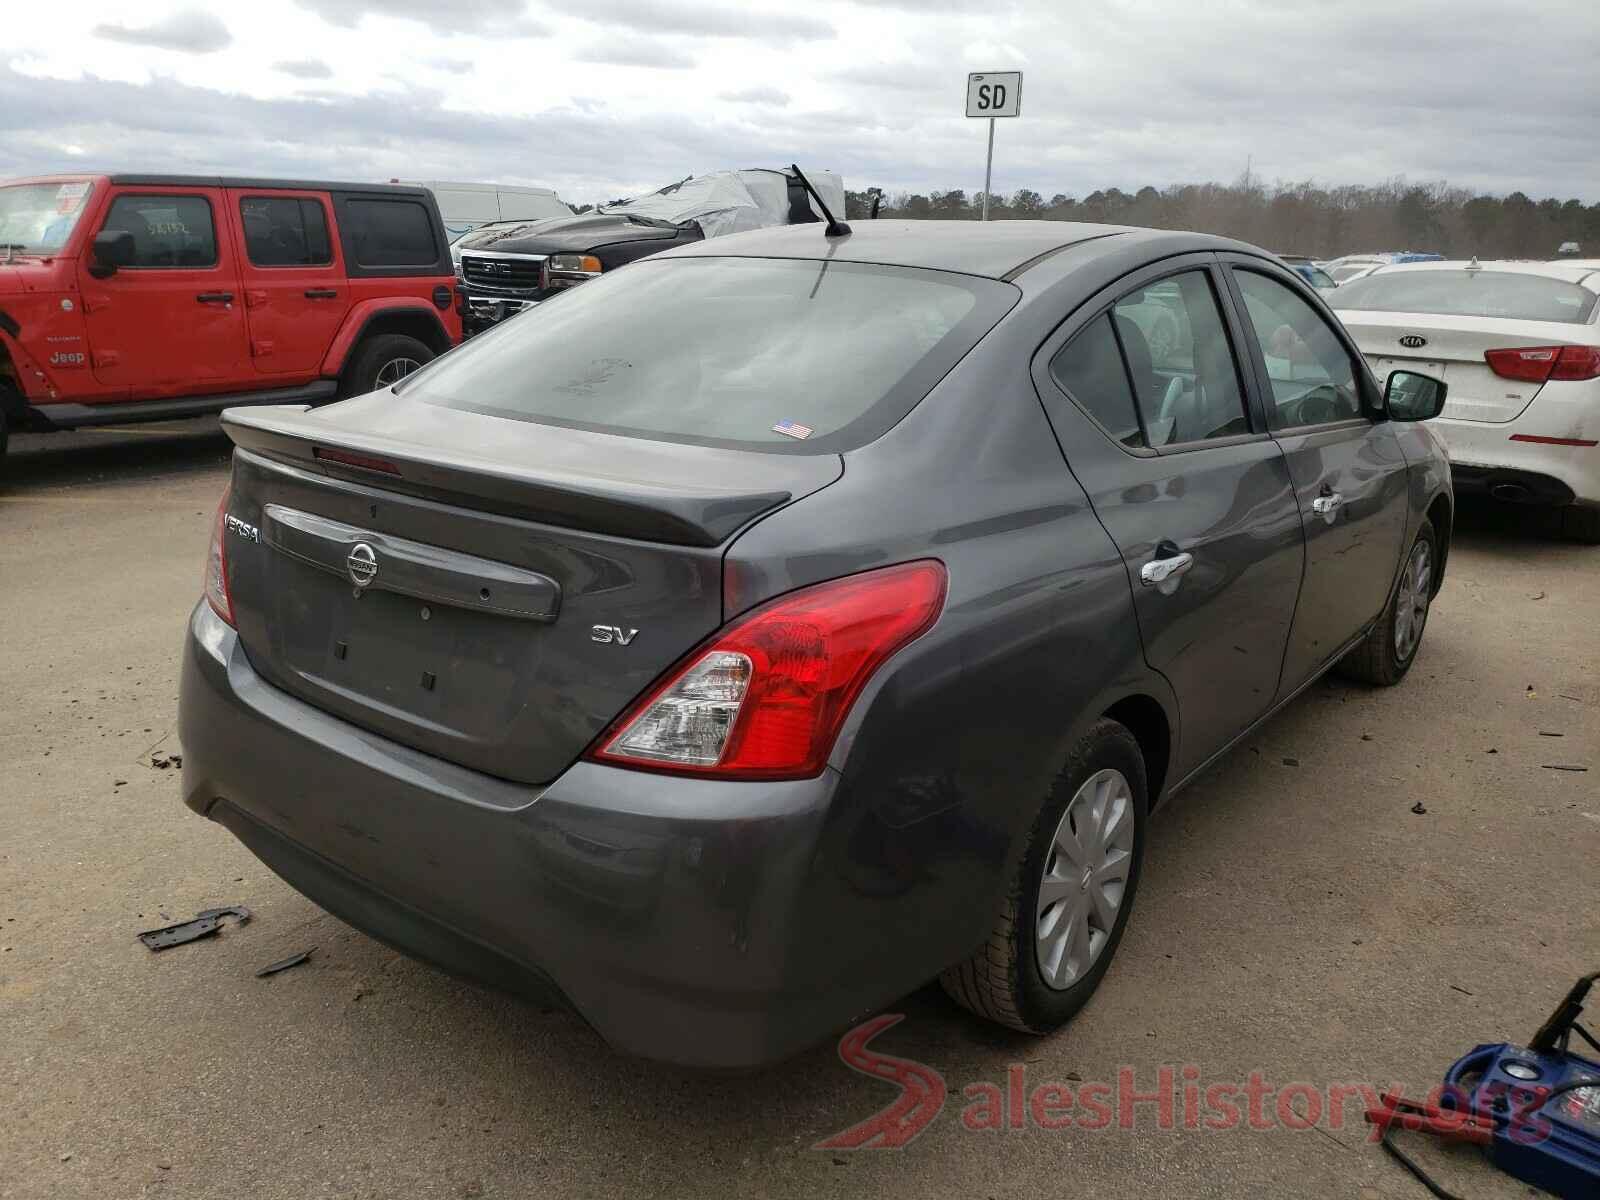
{"x":395,"y":370}
{"x":1411,"y":604}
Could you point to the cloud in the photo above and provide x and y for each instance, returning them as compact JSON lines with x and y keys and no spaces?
{"x":635,"y":52}
{"x":757,"y":95}
{"x":189,"y":31}
{"x":501,"y":17}
{"x":702,"y":20}
{"x":305,"y":68}
{"x":456,"y":66}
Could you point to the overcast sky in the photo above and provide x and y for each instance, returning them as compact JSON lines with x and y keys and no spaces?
{"x":604,"y":98}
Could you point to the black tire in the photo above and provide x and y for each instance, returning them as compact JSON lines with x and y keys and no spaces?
{"x":5,"y":426}
{"x":1380,"y":659}
{"x":376,"y":362}
{"x":1004,"y":980}
{"x":1581,"y":525}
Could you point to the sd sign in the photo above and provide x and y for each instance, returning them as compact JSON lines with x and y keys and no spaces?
{"x":994,"y":94}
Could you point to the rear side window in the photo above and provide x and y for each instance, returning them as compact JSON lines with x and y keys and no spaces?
{"x":1157,"y":370}
{"x":285,"y":231}
{"x":1089,"y":369}
{"x":1460,"y":292}
{"x":168,"y":231}
{"x":390,"y":233}
{"x":782,"y":355}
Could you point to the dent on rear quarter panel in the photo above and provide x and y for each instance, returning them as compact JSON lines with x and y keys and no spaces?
{"x":951,"y":750}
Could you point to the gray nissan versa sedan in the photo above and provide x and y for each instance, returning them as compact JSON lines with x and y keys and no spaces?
{"x":760,"y":630}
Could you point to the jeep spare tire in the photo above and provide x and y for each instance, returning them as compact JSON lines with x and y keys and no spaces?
{"x":383,"y":361}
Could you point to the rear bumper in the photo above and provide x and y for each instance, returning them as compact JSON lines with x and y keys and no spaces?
{"x":1484,"y":458}
{"x":666,"y":911}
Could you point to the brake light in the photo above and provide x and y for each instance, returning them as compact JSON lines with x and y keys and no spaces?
{"x":766,"y":696}
{"x":216,"y":580}
{"x":1577,"y":362}
{"x":1536,"y":364}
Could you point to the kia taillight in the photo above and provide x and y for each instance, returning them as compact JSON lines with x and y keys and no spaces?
{"x":766,"y":696}
{"x":216,"y":581}
{"x":1536,"y":364}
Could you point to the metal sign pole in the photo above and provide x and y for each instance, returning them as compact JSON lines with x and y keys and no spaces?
{"x":988,"y":170}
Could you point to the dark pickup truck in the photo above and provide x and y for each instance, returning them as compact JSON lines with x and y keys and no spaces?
{"x":508,"y":268}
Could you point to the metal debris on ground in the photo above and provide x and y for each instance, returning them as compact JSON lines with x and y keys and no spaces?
{"x":1419,"y":808}
{"x":202,"y":924}
{"x":1562,"y":767}
{"x":163,"y":762}
{"x":283,"y":964}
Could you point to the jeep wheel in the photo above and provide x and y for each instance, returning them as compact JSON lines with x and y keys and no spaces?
{"x":383,"y":361}
{"x":5,"y":428}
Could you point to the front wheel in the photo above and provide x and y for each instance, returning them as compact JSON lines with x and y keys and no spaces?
{"x":1064,"y":912}
{"x":384,"y":361}
{"x":1387,"y":652}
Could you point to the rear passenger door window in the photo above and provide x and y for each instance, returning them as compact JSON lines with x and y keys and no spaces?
{"x":1157,"y":370}
{"x":1313,"y":377}
{"x":173,"y":232}
{"x":285,"y":231}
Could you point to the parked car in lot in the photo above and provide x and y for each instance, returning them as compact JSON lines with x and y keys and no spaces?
{"x":1311,"y":272}
{"x":146,"y":297}
{"x":1519,"y":345}
{"x":783,"y":620}
{"x":464,"y":207}
{"x":508,"y":270}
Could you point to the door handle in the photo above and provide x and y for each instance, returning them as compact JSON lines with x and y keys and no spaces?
{"x":215,"y":297}
{"x":1164,"y":574}
{"x":322,"y":294}
{"x":1327,"y":507}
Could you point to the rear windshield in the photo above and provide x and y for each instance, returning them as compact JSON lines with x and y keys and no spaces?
{"x":1466,"y":293}
{"x":784,"y":355}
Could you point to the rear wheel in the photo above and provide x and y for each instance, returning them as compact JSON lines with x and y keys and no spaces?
{"x":1064,"y":912}
{"x":1581,"y":525}
{"x":6,"y":395}
{"x":383,"y":361}
{"x":1388,"y":651}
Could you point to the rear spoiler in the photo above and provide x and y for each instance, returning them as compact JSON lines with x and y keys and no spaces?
{"x":652,"y":491}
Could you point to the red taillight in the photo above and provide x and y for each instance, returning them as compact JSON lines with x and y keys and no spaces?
{"x":1537,"y":364}
{"x":766,"y":696}
{"x":1577,"y":362}
{"x":1532,"y":364}
{"x":216,"y":581}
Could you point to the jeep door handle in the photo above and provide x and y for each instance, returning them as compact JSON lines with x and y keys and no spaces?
{"x":322,"y":294}
{"x":1327,"y":507}
{"x":1164,"y":574}
{"x":215,"y":297}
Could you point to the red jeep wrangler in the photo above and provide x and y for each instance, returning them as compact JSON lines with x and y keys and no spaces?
{"x":146,"y":297}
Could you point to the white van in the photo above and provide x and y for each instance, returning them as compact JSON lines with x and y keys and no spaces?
{"x":465,"y":206}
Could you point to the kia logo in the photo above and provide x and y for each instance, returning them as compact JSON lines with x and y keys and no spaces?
{"x":1413,"y":341}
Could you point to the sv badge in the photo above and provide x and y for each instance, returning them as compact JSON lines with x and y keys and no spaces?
{"x":612,"y":634}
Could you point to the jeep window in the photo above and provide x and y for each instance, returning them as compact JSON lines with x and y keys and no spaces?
{"x":40,"y":217}
{"x":390,"y":233}
{"x":778,"y":355}
{"x":168,"y":231}
{"x":285,"y":231}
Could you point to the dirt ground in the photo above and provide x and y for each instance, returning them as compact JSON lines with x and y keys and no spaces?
{"x":1298,"y":919}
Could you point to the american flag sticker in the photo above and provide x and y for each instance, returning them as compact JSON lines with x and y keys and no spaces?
{"x":793,"y":429}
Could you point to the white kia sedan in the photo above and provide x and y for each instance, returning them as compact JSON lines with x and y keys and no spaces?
{"x":1518,"y":343}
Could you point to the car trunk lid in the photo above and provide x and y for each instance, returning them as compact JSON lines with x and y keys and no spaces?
{"x":492,"y":592}
{"x":1452,"y":348}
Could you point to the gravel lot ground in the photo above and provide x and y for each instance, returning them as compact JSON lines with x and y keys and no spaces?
{"x":1297,"y":919}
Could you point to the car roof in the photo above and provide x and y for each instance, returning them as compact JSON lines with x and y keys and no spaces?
{"x":1588,"y":276}
{"x":994,"y":249}
{"x":232,"y":181}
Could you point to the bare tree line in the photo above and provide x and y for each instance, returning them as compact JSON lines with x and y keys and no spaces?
{"x":1298,"y":218}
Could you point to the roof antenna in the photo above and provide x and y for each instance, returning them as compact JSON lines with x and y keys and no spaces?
{"x":835,"y":228}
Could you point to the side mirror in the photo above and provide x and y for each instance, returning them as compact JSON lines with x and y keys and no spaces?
{"x":1412,"y":397}
{"x":113,"y":248}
